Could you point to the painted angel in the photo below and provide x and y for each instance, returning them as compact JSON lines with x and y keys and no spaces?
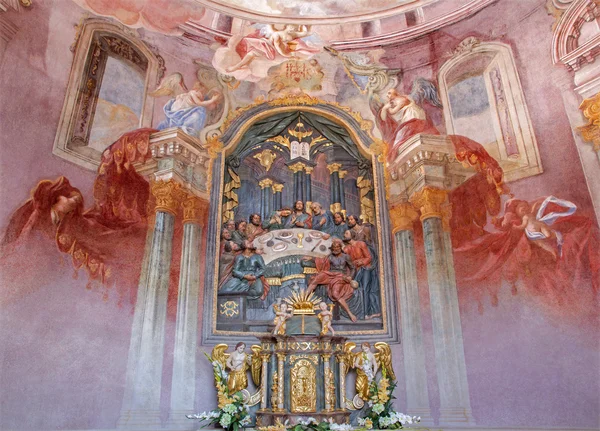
{"x":187,"y":109}
{"x":248,"y":58}
{"x":367,"y":364}
{"x":403,"y":116}
{"x":237,"y":364}
{"x":545,"y":247}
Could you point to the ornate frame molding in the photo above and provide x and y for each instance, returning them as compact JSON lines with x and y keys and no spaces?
{"x":565,"y":40}
{"x":238,"y":123}
{"x":72,"y":134}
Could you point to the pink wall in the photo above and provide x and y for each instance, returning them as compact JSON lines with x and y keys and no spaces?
{"x":63,"y":351}
{"x":524,"y":368}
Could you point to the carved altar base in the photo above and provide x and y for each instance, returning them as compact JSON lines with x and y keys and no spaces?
{"x":302,"y":377}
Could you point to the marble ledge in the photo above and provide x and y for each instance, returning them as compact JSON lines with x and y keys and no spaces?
{"x":425,"y":160}
{"x":180,"y":157}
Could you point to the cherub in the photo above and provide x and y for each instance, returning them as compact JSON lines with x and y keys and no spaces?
{"x":535,"y":221}
{"x":187,"y":109}
{"x":281,"y":315}
{"x":325,"y":316}
{"x":283,"y":42}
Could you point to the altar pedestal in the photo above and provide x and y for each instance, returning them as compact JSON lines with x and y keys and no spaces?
{"x":303,"y":378}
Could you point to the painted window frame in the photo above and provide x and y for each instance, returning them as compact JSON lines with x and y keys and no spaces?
{"x":528,"y":163}
{"x":72,"y":136}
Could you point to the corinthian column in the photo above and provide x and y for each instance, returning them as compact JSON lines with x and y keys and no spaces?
{"x":455,"y":406}
{"x":142,"y":406}
{"x":183,"y":384}
{"x":266,"y":204}
{"x":277,"y":199}
{"x":403,"y":217}
{"x":336,"y":201}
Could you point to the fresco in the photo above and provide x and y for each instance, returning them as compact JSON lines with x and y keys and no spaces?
{"x":433,"y":198}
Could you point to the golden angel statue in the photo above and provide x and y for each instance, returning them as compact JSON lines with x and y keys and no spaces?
{"x":237,"y":364}
{"x":367,"y":364}
{"x":187,"y":109}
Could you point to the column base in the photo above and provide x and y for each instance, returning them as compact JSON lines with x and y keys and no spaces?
{"x":140,"y":420}
{"x":178,"y":421}
{"x":424,"y":413}
{"x":456,"y":416}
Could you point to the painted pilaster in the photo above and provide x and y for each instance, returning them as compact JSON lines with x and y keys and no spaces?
{"x":455,"y":406}
{"x":342,"y":175}
{"x":149,"y":336}
{"x":183,"y":384}
{"x":403,"y":217}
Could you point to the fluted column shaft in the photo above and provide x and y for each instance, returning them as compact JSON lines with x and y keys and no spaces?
{"x":455,"y":406}
{"x":277,"y":199}
{"x":308,"y":183}
{"x":403,"y":217}
{"x":327,"y":380}
{"x":149,"y":336}
{"x":342,"y":175}
{"x":266,"y":201}
{"x":183,"y":384}
{"x":280,"y":374}
{"x":264,"y":380}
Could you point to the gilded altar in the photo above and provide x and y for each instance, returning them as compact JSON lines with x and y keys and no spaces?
{"x":303,"y":378}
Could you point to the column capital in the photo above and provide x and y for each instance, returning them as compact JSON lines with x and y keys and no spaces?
{"x":591,"y":111}
{"x":342,"y":174}
{"x":193,"y":209}
{"x":334,"y":167}
{"x":403,"y":217}
{"x":308,"y":169}
{"x":168,"y":195}
{"x":297,"y":167}
{"x":429,"y":200}
{"x":277,"y":188}
{"x":267,"y":182}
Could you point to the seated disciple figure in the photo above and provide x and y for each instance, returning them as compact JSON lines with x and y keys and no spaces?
{"x":299,"y":218}
{"x":247,"y":274}
{"x":339,"y":226}
{"x":229,"y":250}
{"x":278,"y":220}
{"x":366,"y":273}
{"x":322,"y":220}
{"x":336,"y":272}
{"x":254,"y":227}
{"x":363,"y":232}
{"x":239,"y":235}
{"x":187,"y":110}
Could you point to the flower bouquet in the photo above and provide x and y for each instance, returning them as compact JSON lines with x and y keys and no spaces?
{"x":380,"y":412}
